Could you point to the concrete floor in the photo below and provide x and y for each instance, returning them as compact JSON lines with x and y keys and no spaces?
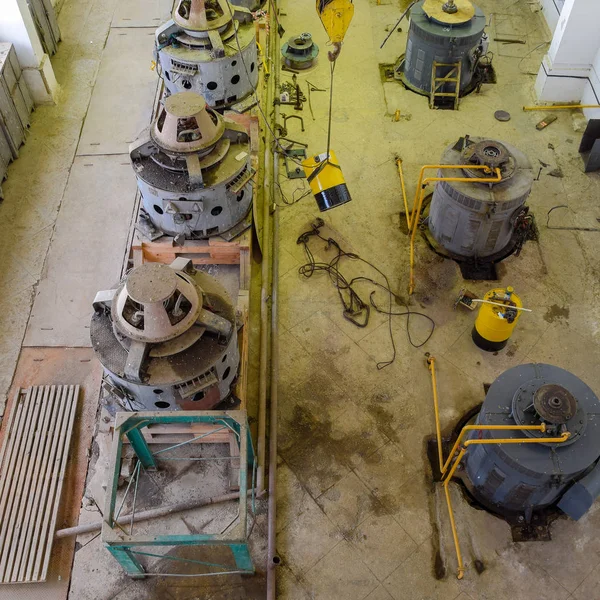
{"x":357,"y":511}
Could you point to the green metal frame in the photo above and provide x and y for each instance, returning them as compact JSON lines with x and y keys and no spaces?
{"x":122,"y":544}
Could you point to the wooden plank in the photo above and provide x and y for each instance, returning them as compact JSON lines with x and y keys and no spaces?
{"x":7,"y":440}
{"x":32,"y":573}
{"x":42,"y":487}
{"x":45,"y":466}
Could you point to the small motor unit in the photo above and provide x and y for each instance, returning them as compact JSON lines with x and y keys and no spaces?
{"x":209,"y":47}
{"x":516,"y":480}
{"x":480,"y":223}
{"x":193,"y":169}
{"x":166,"y":336}
{"x":300,"y":52}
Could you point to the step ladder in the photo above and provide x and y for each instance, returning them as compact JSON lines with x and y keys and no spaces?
{"x":452,"y":77}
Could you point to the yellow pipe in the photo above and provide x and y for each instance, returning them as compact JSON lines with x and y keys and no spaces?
{"x":438,"y":430}
{"x":404,"y":198}
{"x":262,"y":57}
{"x":460,"y":573}
{"x":420,"y":193}
{"x":561,"y":106}
{"x":467,"y":428}
{"x":563,"y":438}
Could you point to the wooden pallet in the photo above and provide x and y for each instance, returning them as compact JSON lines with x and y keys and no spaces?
{"x":33,"y":463}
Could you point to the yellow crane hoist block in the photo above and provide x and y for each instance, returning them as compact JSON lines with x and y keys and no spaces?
{"x":336,"y":16}
{"x":326,"y":181}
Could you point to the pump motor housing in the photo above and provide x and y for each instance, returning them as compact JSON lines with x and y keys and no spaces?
{"x":166,"y":336}
{"x":447,"y":39}
{"x":520,"y":479}
{"x":209,"y":48}
{"x":193,"y":169}
{"x":476,"y":222}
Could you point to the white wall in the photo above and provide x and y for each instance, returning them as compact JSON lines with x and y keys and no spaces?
{"x":591,"y":93}
{"x":551,"y":11}
{"x":16,"y":26}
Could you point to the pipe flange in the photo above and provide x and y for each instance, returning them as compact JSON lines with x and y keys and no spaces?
{"x":555,"y":404}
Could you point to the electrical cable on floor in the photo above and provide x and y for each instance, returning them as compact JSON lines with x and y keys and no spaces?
{"x":560,"y":228}
{"x":356,"y":310}
{"x":528,"y":54}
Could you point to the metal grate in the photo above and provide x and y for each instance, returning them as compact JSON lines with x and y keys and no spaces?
{"x":33,"y":461}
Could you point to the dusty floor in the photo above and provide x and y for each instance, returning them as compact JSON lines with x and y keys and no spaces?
{"x":357,"y":511}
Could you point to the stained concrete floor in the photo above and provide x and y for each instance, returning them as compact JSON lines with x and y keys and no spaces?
{"x":358,"y":515}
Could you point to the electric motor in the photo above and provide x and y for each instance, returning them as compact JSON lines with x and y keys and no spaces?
{"x":522,"y":478}
{"x":472,"y":220}
{"x":300,"y":52}
{"x":166,"y":336}
{"x":209,"y":47}
{"x":193,"y":169}
{"x":448,"y":39}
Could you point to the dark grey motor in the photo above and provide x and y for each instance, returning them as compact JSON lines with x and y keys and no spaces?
{"x":528,"y":477}
{"x":474,"y":222}
{"x":431,"y":39}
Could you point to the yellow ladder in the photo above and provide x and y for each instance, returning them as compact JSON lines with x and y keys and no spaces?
{"x":453,"y":76}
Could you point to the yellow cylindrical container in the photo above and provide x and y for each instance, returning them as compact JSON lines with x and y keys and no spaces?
{"x":326,"y":181}
{"x":496,"y":322}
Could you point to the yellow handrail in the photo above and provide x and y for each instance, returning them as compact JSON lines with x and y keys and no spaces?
{"x":420,"y":194}
{"x":561,"y":106}
{"x":401,"y":175}
{"x":447,"y":476}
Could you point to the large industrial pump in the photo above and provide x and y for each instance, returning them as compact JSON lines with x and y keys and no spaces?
{"x":446,"y":42}
{"x":528,"y":481}
{"x":480,"y":224}
{"x":209,"y":47}
{"x":166,"y":336}
{"x":193,"y":170}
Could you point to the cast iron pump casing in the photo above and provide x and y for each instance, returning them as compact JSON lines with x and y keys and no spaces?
{"x":166,"y":336}
{"x":193,"y":169}
{"x":209,"y":47}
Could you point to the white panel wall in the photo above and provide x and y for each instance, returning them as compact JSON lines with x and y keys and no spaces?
{"x":551,"y":11}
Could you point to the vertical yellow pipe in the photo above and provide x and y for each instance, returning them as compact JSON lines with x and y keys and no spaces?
{"x":438,"y":429}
